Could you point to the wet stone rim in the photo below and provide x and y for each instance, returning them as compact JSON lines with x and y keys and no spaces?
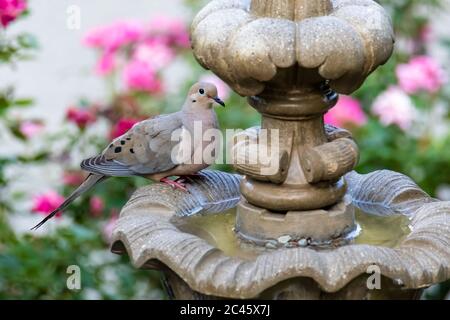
{"x":145,"y":233}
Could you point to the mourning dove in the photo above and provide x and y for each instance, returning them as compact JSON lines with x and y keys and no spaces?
{"x":149,"y":150}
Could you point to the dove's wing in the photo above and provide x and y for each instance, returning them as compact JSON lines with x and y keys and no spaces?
{"x":144,"y":149}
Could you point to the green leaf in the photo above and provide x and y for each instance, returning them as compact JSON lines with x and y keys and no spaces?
{"x":26,"y":102}
{"x":27,"y":41}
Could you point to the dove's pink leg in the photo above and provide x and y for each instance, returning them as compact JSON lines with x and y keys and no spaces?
{"x":174,"y":184}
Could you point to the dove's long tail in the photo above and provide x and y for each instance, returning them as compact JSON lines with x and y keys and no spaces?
{"x":90,"y":181}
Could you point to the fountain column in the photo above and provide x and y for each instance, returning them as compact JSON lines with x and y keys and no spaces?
{"x":284,"y":58}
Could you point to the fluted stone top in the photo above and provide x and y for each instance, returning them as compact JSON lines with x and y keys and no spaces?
{"x":246,"y":43}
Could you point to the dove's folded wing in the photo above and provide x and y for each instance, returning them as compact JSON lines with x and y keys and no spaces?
{"x":144,"y":149}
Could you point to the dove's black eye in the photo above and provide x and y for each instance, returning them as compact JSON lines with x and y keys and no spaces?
{"x":201,"y":91}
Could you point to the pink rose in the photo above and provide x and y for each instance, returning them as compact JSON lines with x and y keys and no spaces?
{"x":154,"y":53}
{"x":96,"y":206}
{"x":223,"y":90}
{"x":108,"y":228}
{"x":421,"y":73}
{"x":29,"y":129}
{"x":122,"y":127}
{"x":80,"y":116}
{"x":173,"y":31}
{"x":47,"y":202}
{"x":114,"y":36}
{"x":73,"y":178}
{"x":427,"y":34}
{"x":10,"y":10}
{"x":106,"y":64}
{"x":347,"y":111}
{"x":141,"y":76}
{"x":394,"y":107}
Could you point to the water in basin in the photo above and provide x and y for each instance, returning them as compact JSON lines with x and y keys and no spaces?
{"x":218,"y":230}
{"x":386,"y":231}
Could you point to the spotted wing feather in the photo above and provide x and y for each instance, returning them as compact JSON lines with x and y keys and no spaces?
{"x":144,"y":149}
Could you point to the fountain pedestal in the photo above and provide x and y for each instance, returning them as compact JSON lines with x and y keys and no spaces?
{"x":261,"y":226}
{"x":285,"y":55}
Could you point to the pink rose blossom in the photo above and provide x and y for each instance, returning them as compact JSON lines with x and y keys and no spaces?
{"x":347,"y":111}
{"x":110,"y":225}
{"x":96,"y":206}
{"x":106,"y":63}
{"x":10,"y":10}
{"x":47,"y":202}
{"x":141,"y":76}
{"x":173,"y":31}
{"x":427,"y":34}
{"x":73,"y":178}
{"x":122,"y":127}
{"x":154,"y":53}
{"x":394,"y":106}
{"x":421,"y":73}
{"x":114,"y":36}
{"x":80,"y":116}
{"x":223,"y":90}
{"x":29,"y":129}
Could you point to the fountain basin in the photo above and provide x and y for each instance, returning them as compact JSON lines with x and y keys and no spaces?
{"x":195,"y":266}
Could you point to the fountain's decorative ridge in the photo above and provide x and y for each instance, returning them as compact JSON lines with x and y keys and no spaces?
{"x":247,"y":42}
{"x":291,"y":59}
{"x":212,"y":192}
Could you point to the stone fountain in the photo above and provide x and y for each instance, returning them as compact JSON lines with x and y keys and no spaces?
{"x":307,"y":227}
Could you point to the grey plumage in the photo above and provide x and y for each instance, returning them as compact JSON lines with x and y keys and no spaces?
{"x":143,"y":150}
{"x":146,"y":149}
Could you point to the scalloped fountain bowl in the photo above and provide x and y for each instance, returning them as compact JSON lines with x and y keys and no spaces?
{"x":192,"y":238}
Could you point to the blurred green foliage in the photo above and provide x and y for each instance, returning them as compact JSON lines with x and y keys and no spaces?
{"x":36,"y":267}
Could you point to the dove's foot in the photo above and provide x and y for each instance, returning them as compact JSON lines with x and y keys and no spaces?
{"x":174,"y":184}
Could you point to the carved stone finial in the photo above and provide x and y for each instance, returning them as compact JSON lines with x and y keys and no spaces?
{"x":282,"y":54}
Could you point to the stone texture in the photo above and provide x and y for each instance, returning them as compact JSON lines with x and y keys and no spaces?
{"x":319,"y":226}
{"x":344,"y":40}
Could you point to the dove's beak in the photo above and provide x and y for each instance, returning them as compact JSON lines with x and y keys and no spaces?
{"x":217,"y":99}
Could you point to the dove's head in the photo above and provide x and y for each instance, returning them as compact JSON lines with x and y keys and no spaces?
{"x":203,"y":95}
